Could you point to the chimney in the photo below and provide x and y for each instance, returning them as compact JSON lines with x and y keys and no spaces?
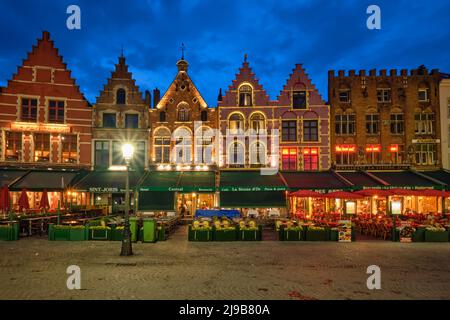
{"x":156,"y":97}
{"x":148,"y":98}
{"x":219,"y":97}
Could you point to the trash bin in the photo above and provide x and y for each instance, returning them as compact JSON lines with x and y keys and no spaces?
{"x":149,"y":234}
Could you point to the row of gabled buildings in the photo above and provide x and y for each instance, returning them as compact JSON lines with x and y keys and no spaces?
{"x":188,"y":151}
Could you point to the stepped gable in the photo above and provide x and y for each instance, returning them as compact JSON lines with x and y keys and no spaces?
{"x":299,"y":80}
{"x":43,"y":67}
{"x":121,"y":77}
{"x":245,"y":75}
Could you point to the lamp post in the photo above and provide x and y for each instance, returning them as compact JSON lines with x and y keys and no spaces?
{"x":127,"y":250}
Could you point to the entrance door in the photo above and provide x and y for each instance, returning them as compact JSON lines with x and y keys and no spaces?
{"x":188,"y":203}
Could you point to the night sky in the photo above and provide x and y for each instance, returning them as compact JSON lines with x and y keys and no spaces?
{"x":320,"y":34}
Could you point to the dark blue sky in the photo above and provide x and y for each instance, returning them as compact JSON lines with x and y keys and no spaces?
{"x":320,"y":34}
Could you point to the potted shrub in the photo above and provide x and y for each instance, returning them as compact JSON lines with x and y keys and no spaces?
{"x":314,"y":233}
{"x":200,"y":232}
{"x":250,"y":232}
{"x":293,"y":233}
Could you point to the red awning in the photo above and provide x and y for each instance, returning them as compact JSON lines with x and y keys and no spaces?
{"x":431,"y":193}
{"x":23,"y":201}
{"x":343,"y":195}
{"x":404,"y":192}
{"x":44,"y":200}
{"x":306,"y":194}
{"x":374,"y":192}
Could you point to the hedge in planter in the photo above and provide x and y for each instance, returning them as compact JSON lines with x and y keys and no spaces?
{"x":67,"y":233}
{"x":436,"y":236}
{"x":200,"y":233}
{"x":77,"y":233}
{"x":292,"y":234}
{"x":9,"y":232}
{"x":99,"y":233}
{"x":316,"y":234}
{"x":117,"y":233}
{"x":250,"y":233}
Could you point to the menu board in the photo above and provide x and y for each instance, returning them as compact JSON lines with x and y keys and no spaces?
{"x":406,"y":231}
{"x":345,"y":231}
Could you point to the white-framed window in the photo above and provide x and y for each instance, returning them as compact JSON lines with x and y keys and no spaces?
{"x":372,"y":123}
{"x":345,"y":124}
{"x":344,"y":95}
{"x":258,"y":123}
{"x":258,"y":154}
{"x":424,"y":123}
{"x":245,"y":95}
{"x":204,"y":146}
{"x":384,"y":95}
{"x":423,"y":95}
{"x":236,"y":123}
{"x":162,"y":145}
{"x":397,"y":123}
{"x":183,"y":145}
{"x":426,"y":154}
{"x":236,"y":154}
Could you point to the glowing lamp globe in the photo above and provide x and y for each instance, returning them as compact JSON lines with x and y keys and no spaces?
{"x":127,"y":150}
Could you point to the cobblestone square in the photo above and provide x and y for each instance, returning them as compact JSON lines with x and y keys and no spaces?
{"x":178,"y":269}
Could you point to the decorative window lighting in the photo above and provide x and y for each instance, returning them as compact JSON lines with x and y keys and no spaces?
{"x":160,"y":167}
{"x":197,"y":168}
{"x":178,"y":167}
{"x":205,"y":167}
{"x":168,"y":167}
{"x":187,"y":168}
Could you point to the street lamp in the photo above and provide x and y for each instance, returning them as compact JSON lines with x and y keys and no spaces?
{"x":127,"y":150}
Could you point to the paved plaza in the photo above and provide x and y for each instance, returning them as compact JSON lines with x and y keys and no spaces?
{"x":178,"y":269}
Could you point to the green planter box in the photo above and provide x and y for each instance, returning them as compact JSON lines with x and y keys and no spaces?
{"x":77,"y":234}
{"x":225,"y":235}
{"x":61,"y":233}
{"x":432,"y":236}
{"x":99,"y":234}
{"x":161,"y":233}
{"x":334,"y":235}
{"x":419,"y":235}
{"x":149,"y":230}
{"x":250,"y":235}
{"x":316,"y":235}
{"x":292,"y":235}
{"x":116,"y":234}
{"x":9,"y":232}
{"x":199,"y":235}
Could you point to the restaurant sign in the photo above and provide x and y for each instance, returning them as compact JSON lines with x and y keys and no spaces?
{"x":40,"y":127}
{"x":179,"y":189}
{"x":250,"y":189}
{"x":106,"y":190}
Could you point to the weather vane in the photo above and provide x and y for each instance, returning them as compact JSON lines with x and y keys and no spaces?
{"x":182,"y":50}
{"x":122,"y":51}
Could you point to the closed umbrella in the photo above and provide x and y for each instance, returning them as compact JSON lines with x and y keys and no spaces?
{"x":44,"y":200}
{"x":23,"y":201}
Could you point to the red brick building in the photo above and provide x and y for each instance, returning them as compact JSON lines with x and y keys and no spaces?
{"x":45,"y":119}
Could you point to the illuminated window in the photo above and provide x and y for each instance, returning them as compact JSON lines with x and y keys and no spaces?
{"x":121,"y":96}
{"x":13,"y":150}
{"x":183,"y":145}
{"x":245,"y":96}
{"x":131,"y":121}
{"x":372,"y":123}
{"x":117,"y":154}
{"x":41,"y":147}
{"x":373,"y":153}
{"x":345,"y":154}
{"x":345,"y":124}
{"x":139,"y":155}
{"x":424,"y":123}
{"x":258,"y":123}
{"x":29,"y":110}
{"x":236,"y":123}
{"x":310,"y":159}
{"x":299,"y":100}
{"x":397,"y":123}
{"x":257,"y":154}
{"x":397,"y":153}
{"x":162,"y":146}
{"x":289,"y":130}
{"x":69,"y":148}
{"x":384,"y":95}
{"x":56,"y":111}
{"x":183,"y":112}
{"x":289,"y":158}
{"x":236,"y":154}
{"x":423,"y":95}
{"x":310,"y":130}
{"x":204,"y":146}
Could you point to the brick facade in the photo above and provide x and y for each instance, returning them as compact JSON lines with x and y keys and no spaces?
{"x":45,"y":119}
{"x":379,"y":121}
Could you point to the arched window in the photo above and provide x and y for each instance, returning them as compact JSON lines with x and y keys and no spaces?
{"x":258,"y":123}
{"x":204,"y":146}
{"x":162,"y":145}
{"x":236,"y":123}
{"x":245,"y":95}
{"x":183,"y":145}
{"x":257,"y":154}
{"x":204,"y":116}
{"x":121,"y":96}
{"x":183,"y":112}
{"x":162,"y":116}
{"x":236,"y":154}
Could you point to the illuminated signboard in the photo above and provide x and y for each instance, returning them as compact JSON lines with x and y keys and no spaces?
{"x":41,"y":127}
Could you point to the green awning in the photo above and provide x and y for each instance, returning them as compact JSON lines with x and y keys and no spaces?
{"x":107,"y":181}
{"x":186,"y":181}
{"x":7,"y":176}
{"x":156,"y":200}
{"x":48,"y":179}
{"x":242,"y":181}
{"x":261,"y":199}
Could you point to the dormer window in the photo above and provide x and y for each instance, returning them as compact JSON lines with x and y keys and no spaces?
{"x":245,"y":95}
{"x":121,"y":96}
{"x":299,"y":100}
